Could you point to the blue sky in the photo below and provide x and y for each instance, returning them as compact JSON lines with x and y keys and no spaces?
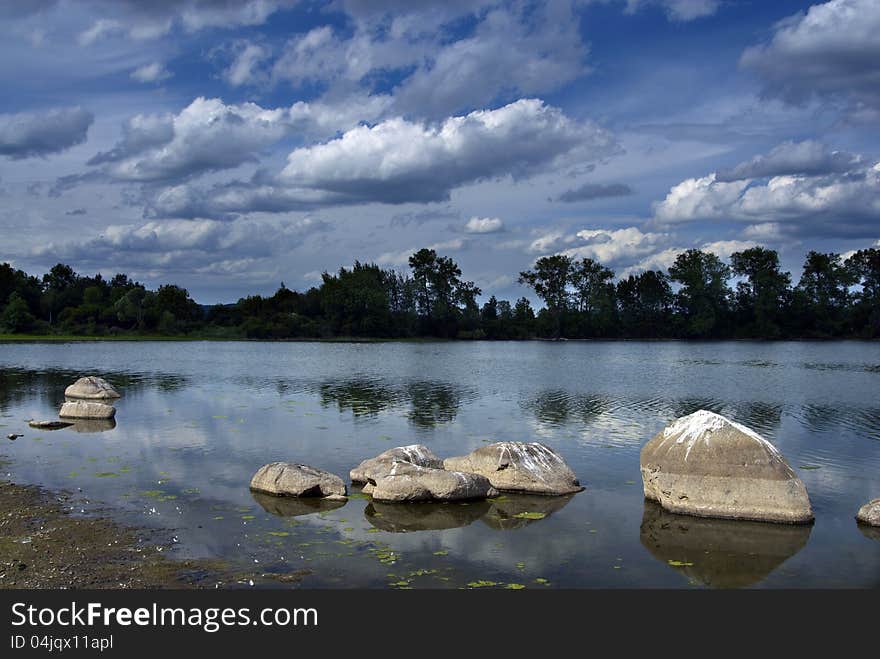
{"x":227,"y":146}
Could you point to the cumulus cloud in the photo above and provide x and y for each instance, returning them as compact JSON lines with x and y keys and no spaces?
{"x":831,"y":51}
{"x":809,"y":157}
{"x":154,"y":72}
{"x":483,"y":225}
{"x":842,"y":198}
{"x":29,"y":134}
{"x":207,"y":135}
{"x":399,"y":160}
{"x":613,"y":246}
{"x":590,"y":191}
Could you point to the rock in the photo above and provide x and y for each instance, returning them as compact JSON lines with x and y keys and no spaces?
{"x":296,"y":506}
{"x":373,"y":468}
{"x":870,"y":513}
{"x":82,"y":409}
{"x":514,"y":511}
{"x":13,"y":436}
{"x":408,"y":517}
{"x":721,"y":553}
{"x":706,"y":465}
{"x":93,"y":425}
{"x":91,"y":387}
{"x":409,"y":482}
{"x":298,"y":480}
{"x":519,"y":467}
{"x":49,"y":425}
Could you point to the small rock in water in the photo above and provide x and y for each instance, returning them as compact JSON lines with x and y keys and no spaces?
{"x":298,"y":480}
{"x":13,"y":436}
{"x":49,"y":425}
{"x":870,"y":513}
{"x":707,"y":465}
{"x":409,"y":482}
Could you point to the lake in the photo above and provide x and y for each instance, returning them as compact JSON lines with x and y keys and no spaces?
{"x":197,"y":419}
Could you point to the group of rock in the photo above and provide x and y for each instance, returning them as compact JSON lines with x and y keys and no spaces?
{"x":702,"y":464}
{"x":89,"y":397}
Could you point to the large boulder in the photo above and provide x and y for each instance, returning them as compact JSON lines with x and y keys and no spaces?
{"x":91,"y":388}
{"x":720,"y":553}
{"x":409,"y":482}
{"x":298,"y":480}
{"x":870,"y":513}
{"x":86,"y":409}
{"x":519,"y":467}
{"x":373,"y":468}
{"x":706,"y":465}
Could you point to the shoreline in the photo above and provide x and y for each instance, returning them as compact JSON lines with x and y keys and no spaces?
{"x":44,"y":546}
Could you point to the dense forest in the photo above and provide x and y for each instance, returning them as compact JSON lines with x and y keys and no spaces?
{"x":582,"y":299}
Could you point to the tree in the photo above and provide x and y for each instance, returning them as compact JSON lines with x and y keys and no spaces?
{"x":549,"y":279}
{"x":864,"y":268}
{"x":762,"y":300}
{"x":594,"y":297}
{"x":702,"y":298}
{"x":823,"y":294}
{"x":645,"y":304}
{"x":16,"y":317}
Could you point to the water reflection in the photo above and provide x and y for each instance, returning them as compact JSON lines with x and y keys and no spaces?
{"x":430,"y":403}
{"x":559,"y":407}
{"x":407,"y":517}
{"x":295,"y":506}
{"x":719,"y":553}
{"x":762,"y":417}
{"x":93,"y":425}
{"x":514,"y":511}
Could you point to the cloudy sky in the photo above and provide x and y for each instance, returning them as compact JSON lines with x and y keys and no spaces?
{"x":227,"y":145}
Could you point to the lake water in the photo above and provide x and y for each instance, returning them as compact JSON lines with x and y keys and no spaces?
{"x":198,"y":418}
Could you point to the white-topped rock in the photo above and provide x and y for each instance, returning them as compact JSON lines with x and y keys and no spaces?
{"x":407,"y":482}
{"x":519,"y":467}
{"x":707,"y":465}
{"x":91,"y":388}
{"x":298,"y":480}
{"x":373,"y":468}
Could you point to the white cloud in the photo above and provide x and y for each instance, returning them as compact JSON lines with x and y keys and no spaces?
{"x":546,"y":242}
{"x":679,"y":10}
{"x":698,"y":198}
{"x":243,"y":69}
{"x":399,"y":160}
{"x":483,"y":225}
{"x":100,"y":28}
{"x":154,"y":72}
{"x":830,"y":51}
{"x":612,"y":246}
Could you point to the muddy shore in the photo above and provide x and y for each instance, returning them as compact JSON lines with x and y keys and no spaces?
{"x":43,"y":544}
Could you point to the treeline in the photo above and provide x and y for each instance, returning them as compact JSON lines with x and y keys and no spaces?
{"x":582,"y":299}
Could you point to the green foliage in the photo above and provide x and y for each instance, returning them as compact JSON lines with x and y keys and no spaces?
{"x":834,"y":298}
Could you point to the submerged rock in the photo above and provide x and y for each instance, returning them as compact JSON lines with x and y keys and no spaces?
{"x":298,"y":480}
{"x":82,"y":409}
{"x":870,"y":513}
{"x":707,"y":465}
{"x":296,"y":506}
{"x":91,"y":387}
{"x":721,"y":553}
{"x":49,"y":425}
{"x":514,"y":511}
{"x":405,"y":518}
{"x":519,"y":467}
{"x":409,"y":482}
{"x":373,"y":468}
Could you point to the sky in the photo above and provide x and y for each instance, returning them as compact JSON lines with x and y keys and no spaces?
{"x":231,"y":145}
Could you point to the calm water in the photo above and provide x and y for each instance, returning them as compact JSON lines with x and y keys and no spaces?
{"x":197,"y":419}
